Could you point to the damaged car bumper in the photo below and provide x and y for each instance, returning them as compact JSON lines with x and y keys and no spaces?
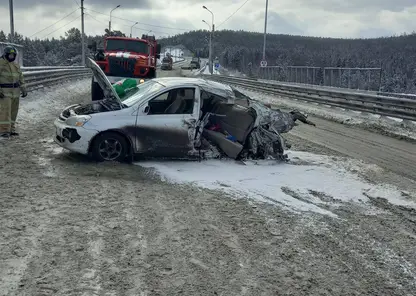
{"x":73,"y":138}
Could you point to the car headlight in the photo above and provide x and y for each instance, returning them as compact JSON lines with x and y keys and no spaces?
{"x":79,"y":120}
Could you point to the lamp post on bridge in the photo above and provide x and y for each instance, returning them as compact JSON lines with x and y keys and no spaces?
{"x":131,"y":29}
{"x":211,"y":39}
{"x":210,"y":44}
{"x":264,"y":62}
{"x":109,"y":24}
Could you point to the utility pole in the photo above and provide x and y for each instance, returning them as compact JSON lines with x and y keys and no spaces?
{"x":82,"y":33}
{"x":11,"y":21}
{"x":265,"y":31}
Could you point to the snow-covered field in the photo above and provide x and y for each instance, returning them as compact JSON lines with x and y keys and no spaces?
{"x":392,"y":126}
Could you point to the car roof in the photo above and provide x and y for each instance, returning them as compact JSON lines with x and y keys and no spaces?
{"x":214,"y":87}
{"x":178,"y":81}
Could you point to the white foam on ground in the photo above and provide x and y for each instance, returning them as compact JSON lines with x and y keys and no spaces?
{"x":270,"y":181}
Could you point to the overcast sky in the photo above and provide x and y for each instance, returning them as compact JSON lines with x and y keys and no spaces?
{"x":326,"y":18}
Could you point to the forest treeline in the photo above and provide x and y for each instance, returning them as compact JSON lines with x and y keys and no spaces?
{"x":396,"y":55}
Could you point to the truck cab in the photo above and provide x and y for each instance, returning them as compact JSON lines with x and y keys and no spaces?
{"x":124,"y":57}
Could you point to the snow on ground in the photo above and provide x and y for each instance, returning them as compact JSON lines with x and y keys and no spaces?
{"x":310,"y":183}
{"x":33,"y":109}
{"x":392,"y":126}
{"x":215,"y":72}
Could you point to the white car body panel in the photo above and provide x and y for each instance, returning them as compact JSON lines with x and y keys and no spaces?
{"x":82,"y":145}
{"x":178,"y":123}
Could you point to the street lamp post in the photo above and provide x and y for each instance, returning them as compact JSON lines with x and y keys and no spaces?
{"x":131,"y":29}
{"x":265,"y":31}
{"x":210,"y":44}
{"x":109,"y":24}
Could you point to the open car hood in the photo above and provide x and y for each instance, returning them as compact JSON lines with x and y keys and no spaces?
{"x":109,"y":91}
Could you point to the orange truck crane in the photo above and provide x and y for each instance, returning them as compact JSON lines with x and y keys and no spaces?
{"x":124,"y":57}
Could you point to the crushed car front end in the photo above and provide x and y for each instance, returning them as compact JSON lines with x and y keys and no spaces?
{"x":72,"y":131}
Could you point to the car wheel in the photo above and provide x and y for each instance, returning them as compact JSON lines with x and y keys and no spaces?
{"x":96,"y":91}
{"x":110,"y":146}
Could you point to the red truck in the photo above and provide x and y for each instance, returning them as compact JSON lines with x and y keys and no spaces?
{"x":124,"y":57}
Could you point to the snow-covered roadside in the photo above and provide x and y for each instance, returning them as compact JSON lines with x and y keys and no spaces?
{"x":49,"y":99}
{"x":385,"y":125}
{"x":310,"y":183}
{"x":214,"y":72}
{"x":32,"y":109}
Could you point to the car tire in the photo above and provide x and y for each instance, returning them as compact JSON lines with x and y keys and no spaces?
{"x":97,"y":93}
{"x":109,"y":146}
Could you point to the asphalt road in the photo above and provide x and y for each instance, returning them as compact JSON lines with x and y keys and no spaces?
{"x":69,"y":226}
{"x":395,"y":155}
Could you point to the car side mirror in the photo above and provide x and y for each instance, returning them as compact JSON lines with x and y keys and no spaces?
{"x":146,"y":109}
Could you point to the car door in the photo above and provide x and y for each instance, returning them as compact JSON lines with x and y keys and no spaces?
{"x":165,"y":122}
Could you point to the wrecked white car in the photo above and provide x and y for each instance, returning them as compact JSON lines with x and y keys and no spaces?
{"x":173,"y":117}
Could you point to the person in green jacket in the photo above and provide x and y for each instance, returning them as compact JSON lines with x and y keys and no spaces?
{"x":12,"y":84}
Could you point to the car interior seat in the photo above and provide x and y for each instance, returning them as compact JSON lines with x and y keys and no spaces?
{"x":178,"y":105}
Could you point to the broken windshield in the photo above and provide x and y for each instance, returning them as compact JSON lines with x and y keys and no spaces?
{"x":137,"y":93}
{"x":127,"y":45}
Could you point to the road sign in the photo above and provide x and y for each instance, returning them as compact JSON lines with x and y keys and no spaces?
{"x":217,"y":65}
{"x":263,"y":63}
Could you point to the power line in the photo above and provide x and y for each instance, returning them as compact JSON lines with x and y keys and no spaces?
{"x":233,"y":13}
{"x":95,"y":19}
{"x":63,"y":26}
{"x":76,"y":2}
{"x":55,"y":23}
{"x":136,"y":28}
{"x":163,"y":27}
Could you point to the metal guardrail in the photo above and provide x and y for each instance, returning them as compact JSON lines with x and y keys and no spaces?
{"x":40,"y":68}
{"x":397,"y":95}
{"x":403,"y":108}
{"x":387,"y":94}
{"x":37,"y":77}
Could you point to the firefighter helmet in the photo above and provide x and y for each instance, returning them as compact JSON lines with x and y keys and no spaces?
{"x":10,"y":53}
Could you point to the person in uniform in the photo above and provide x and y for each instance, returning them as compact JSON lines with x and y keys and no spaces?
{"x":12,"y":85}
